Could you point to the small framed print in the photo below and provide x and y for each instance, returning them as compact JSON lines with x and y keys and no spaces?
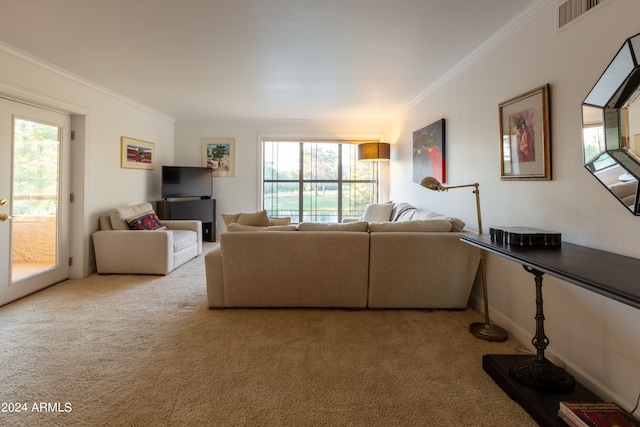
{"x":219,"y":154}
{"x":525,"y":136}
{"x":137,"y":154}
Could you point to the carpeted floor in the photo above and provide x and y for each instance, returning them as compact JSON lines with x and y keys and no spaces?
{"x":146,"y":351}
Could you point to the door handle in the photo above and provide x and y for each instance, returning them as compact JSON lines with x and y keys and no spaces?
{"x":3,"y":202}
{"x":4,"y":217}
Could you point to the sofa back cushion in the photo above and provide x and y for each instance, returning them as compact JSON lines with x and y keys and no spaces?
{"x":321,"y":226}
{"x":377,"y":212}
{"x":428,"y":225}
{"x":414,"y":214}
{"x":256,"y":219}
{"x":105,"y":222}
{"x":240,"y":227}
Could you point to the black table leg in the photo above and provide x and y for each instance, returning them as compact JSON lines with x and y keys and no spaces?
{"x":537,"y":371}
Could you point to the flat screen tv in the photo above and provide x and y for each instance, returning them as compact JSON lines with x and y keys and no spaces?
{"x":186,"y":181}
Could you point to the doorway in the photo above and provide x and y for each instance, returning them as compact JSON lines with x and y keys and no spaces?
{"x":34,"y":198}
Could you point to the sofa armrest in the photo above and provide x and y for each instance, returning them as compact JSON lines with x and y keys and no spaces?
{"x":133,"y":251}
{"x":186,"y":224}
{"x":214,"y":278}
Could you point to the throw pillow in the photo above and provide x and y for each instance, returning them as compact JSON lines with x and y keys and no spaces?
{"x":229,"y":218}
{"x":377,"y":212}
{"x":429,"y":225}
{"x":120,"y":217}
{"x":257,"y":218}
{"x":149,"y":221}
{"x":318,"y":226}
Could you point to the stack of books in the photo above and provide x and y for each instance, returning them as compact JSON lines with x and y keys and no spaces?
{"x":595,"y":414}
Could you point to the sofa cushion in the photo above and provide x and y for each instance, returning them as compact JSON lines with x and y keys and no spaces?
{"x":255,"y":218}
{"x":120,"y":216}
{"x":148,"y":221}
{"x":413,"y":214}
{"x":280,"y":221}
{"x":182,"y":239}
{"x":377,"y":212}
{"x":318,"y":226}
{"x":429,"y":225}
{"x":105,"y":222}
{"x":229,"y":218}
{"x":241,"y":227}
{"x":259,"y":218}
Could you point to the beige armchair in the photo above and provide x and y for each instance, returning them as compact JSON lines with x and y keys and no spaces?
{"x":120,"y":249}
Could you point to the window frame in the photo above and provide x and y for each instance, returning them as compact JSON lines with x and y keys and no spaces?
{"x":380,"y":169}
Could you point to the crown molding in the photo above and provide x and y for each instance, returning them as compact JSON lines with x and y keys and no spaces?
{"x":14,"y":53}
{"x":524,"y":17}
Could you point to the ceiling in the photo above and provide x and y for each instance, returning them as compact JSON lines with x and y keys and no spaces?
{"x":259,"y":59}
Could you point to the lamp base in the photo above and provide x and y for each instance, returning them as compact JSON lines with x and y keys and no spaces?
{"x":488,"y":331}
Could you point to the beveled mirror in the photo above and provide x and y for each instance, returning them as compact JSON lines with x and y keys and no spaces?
{"x":611,"y":126}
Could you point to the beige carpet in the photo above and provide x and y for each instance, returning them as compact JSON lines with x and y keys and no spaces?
{"x":143,"y":350}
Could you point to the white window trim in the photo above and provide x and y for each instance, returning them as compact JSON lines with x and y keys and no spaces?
{"x":383,"y":168}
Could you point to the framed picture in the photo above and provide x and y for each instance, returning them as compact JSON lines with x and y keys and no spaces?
{"x":525,"y":137}
{"x":429,"y":152}
{"x":137,"y":154}
{"x":219,"y":154}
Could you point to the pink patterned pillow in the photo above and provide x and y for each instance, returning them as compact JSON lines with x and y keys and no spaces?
{"x":149,"y":221}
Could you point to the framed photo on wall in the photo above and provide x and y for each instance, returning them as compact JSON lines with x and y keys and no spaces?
{"x":219,"y":154}
{"x":525,"y":136}
{"x":429,"y":152}
{"x":137,"y":154}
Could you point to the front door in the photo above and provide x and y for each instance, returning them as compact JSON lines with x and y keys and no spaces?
{"x":34,"y":199}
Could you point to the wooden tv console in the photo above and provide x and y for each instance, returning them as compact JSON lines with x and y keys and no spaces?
{"x":202,"y":209}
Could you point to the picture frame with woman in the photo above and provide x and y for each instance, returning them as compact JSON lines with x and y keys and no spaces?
{"x":525,"y":137}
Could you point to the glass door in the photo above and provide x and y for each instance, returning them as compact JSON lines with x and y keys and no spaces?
{"x":34,"y":199}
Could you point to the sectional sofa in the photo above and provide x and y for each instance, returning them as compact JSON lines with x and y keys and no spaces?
{"x":411,"y":261}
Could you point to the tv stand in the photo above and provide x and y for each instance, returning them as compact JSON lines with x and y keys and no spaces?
{"x":201,"y":209}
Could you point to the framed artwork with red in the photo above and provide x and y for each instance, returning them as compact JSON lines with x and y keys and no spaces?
{"x":429,"y":152}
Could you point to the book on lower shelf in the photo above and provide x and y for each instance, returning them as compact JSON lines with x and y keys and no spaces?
{"x":595,"y":414}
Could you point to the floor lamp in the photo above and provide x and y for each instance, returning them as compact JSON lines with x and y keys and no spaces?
{"x":484,"y":330}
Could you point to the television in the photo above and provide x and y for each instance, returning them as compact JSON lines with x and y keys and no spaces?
{"x":186,"y":181}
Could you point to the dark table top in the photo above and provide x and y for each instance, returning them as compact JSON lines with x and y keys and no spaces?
{"x":612,"y":275}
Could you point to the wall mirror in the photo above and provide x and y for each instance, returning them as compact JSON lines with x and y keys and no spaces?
{"x":611,"y":126}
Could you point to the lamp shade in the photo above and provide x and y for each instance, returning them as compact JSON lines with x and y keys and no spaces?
{"x":374,"y":152}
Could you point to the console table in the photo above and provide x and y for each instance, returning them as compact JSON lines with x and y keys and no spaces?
{"x":533,"y":381}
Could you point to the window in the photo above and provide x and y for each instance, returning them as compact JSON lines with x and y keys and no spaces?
{"x":318,"y":181}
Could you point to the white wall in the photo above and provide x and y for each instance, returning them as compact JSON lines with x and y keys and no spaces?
{"x":100,"y":118}
{"x":597,"y":337}
{"x":241,"y":192}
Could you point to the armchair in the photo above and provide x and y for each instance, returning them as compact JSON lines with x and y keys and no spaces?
{"x":119,"y":249}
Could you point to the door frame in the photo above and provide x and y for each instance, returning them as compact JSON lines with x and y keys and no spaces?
{"x":79,"y":239}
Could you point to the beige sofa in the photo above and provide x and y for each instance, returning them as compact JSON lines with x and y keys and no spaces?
{"x":289,"y":269}
{"x":321,"y":265}
{"x":420,"y":270}
{"x":119,"y":249}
